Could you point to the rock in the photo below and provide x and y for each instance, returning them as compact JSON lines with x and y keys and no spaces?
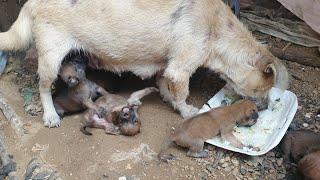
{"x":235,"y":162}
{"x":227,"y":159}
{"x":224,"y":165}
{"x":308,"y":115}
{"x":305,"y":125}
{"x":128,"y":166}
{"x":271,"y":154}
{"x":280,"y":161}
{"x":243,"y":171}
{"x":281,"y":176}
{"x":221,"y":161}
{"x":210,"y":168}
{"x":227,"y":169}
{"x":122,"y":178}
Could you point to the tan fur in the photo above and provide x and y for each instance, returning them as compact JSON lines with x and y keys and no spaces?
{"x":146,"y":37}
{"x":193,"y":132}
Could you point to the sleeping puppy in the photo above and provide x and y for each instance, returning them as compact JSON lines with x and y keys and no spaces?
{"x":193,"y":132}
{"x":116,"y":114}
{"x":80,"y":92}
{"x":296,"y":144}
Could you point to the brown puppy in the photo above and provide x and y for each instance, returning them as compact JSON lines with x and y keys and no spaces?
{"x":80,"y":92}
{"x":309,"y":166}
{"x":193,"y":132}
{"x":296,"y":144}
{"x":115,"y":114}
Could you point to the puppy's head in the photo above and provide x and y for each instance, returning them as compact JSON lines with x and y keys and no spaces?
{"x":72,"y":72}
{"x":249,"y":115}
{"x":129,"y":121}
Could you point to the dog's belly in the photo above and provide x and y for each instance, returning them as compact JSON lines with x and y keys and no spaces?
{"x":124,"y":37}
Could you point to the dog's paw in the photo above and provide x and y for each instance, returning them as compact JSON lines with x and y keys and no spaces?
{"x":189,"y":111}
{"x":51,"y":120}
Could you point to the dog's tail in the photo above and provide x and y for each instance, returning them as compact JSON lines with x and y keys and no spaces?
{"x":19,"y":35}
{"x":162,"y":156}
{"x":281,"y":75}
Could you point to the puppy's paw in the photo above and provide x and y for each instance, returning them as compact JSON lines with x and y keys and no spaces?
{"x":188,"y":111}
{"x":51,"y":120}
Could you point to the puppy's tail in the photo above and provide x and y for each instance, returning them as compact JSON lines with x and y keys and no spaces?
{"x":162,"y":156}
{"x":281,"y":75}
{"x":83,"y":129}
{"x":19,"y":35}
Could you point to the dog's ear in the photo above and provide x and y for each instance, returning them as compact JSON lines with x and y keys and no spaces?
{"x":266,"y":65}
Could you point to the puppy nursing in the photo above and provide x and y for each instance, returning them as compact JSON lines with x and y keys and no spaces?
{"x":193,"y":132}
{"x":80,"y":92}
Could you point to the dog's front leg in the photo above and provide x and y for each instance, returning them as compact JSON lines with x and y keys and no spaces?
{"x":179,"y":91}
{"x":52,"y":48}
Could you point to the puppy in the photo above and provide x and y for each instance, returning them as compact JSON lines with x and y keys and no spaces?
{"x":116,"y":114}
{"x":296,"y":144}
{"x":309,"y":165}
{"x":80,"y":92}
{"x":193,"y":132}
{"x":171,"y":38}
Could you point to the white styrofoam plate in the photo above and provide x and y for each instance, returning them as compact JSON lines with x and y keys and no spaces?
{"x":271,"y":125}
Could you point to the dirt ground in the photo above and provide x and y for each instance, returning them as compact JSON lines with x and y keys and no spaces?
{"x":101,"y":156}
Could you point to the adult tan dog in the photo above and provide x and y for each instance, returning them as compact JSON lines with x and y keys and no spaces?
{"x":172,"y":38}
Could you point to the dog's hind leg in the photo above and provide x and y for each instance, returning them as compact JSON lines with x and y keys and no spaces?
{"x":52,"y":48}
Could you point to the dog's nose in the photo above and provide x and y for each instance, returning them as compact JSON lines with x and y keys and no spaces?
{"x":255,"y":116}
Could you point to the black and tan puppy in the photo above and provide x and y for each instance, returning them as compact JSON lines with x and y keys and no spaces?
{"x":193,"y":132}
{"x":80,"y":92}
{"x":296,"y":144}
{"x":116,"y":114}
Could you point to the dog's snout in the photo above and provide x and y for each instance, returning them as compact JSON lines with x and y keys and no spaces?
{"x":255,"y":116}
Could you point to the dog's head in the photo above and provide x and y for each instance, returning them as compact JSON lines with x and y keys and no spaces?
{"x":250,"y":113}
{"x":254,"y":79}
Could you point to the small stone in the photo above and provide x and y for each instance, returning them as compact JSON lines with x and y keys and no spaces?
{"x":209,"y":168}
{"x":227,"y":159}
{"x":191,"y":168}
{"x":235,"y":162}
{"x":280,"y":161}
{"x":128,"y":166}
{"x":308,"y":115}
{"x":224,"y":165}
{"x":221,"y":161}
{"x":122,"y":178}
{"x":243,"y":171}
{"x":227,"y":169}
{"x":305,"y":125}
{"x":281,"y":176}
{"x":271,"y":171}
{"x":270,"y":154}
